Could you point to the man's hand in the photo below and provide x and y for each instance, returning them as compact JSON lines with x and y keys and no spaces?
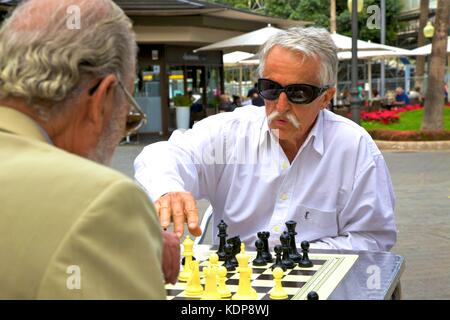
{"x":180,"y":207}
{"x":170,"y":257}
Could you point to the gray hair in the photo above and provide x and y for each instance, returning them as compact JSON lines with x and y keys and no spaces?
{"x":311,"y":42}
{"x":44,"y":61}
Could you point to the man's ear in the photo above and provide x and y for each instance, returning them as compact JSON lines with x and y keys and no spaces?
{"x":101,"y":100}
{"x":328,"y":96}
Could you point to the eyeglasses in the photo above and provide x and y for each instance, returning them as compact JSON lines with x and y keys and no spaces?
{"x":296,"y":93}
{"x":136,"y":118}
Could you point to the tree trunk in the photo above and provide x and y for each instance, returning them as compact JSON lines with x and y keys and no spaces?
{"x":434,"y":101}
{"x":332,"y":16}
{"x":420,"y":62}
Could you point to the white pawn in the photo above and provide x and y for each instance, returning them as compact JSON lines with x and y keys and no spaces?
{"x":223,"y":289}
{"x":194,"y":287}
{"x":211,"y":291}
{"x":278,"y":292}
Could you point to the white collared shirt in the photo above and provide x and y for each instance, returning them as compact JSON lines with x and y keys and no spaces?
{"x":337,"y":188}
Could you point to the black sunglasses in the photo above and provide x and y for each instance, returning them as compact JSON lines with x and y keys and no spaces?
{"x":296,"y":93}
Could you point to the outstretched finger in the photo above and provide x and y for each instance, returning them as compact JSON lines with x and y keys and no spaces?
{"x":165,"y":212}
{"x":191,"y":211}
{"x":177,"y":215}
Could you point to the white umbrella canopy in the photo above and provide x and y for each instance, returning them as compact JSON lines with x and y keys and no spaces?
{"x":426,"y":50}
{"x":234,"y":57}
{"x":344,"y":43}
{"x":250,"y":41}
{"x":380,"y":54}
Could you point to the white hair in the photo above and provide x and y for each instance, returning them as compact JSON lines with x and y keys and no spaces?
{"x":311,"y":42}
{"x":44,"y":61}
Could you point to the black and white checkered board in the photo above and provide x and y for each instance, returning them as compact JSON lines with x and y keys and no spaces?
{"x":297,"y":282}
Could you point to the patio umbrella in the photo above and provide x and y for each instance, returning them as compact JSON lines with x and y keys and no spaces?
{"x":250,"y":41}
{"x":426,"y":50}
{"x":344,"y":43}
{"x":378,"y":54}
{"x":233,"y":58}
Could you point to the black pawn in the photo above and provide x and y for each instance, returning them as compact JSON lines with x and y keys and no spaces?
{"x":264,"y":236}
{"x":259,"y":260}
{"x":222,"y":226}
{"x":278,"y":250}
{"x":305,"y":262}
{"x":228,"y":248}
{"x":286,"y":261}
{"x":293,"y":253}
{"x":312,"y":295}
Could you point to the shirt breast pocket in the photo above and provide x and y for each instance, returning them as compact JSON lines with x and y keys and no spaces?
{"x":314,"y":224}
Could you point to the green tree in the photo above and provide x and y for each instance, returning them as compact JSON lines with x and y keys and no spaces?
{"x":318,"y":12}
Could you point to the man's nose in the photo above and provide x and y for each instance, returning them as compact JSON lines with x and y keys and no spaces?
{"x":282,"y":103}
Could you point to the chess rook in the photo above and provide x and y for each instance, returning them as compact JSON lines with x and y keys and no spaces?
{"x":264,"y":236}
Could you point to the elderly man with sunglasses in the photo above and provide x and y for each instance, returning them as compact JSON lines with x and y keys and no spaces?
{"x":295,"y":160}
{"x":71,"y":228}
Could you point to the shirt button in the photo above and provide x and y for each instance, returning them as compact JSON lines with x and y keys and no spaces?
{"x":276,"y":228}
{"x":284,"y":166}
{"x":284,"y":196}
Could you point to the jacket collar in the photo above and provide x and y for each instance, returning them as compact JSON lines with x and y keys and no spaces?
{"x":16,"y":122}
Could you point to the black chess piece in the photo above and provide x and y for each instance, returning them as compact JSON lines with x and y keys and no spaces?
{"x":286,"y":261}
{"x":236,"y":243}
{"x":222,"y":226}
{"x":183,"y":260}
{"x":293,"y":253}
{"x":278,"y":250}
{"x":305,"y":262}
{"x":264,"y":236}
{"x":312,"y":295}
{"x":228,"y":248}
{"x":259,"y":260}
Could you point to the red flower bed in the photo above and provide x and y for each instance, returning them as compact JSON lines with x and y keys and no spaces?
{"x":409,"y":135}
{"x":387,"y":116}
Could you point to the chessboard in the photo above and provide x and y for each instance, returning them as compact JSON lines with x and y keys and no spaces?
{"x":323,"y":277}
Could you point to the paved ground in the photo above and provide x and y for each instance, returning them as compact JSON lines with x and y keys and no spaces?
{"x":422,"y":186}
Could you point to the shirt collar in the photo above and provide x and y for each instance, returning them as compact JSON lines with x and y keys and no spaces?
{"x":16,"y":122}
{"x":316,"y":133}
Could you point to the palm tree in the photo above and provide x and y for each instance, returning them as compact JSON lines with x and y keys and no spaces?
{"x":333,"y":16}
{"x":434,"y":99}
{"x":420,"y":62}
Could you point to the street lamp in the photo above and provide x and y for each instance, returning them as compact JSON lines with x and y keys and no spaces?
{"x":356,"y":6}
{"x":428,"y":31}
{"x":360,"y":5}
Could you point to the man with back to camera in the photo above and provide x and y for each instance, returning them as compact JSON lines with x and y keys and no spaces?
{"x":292,"y":160}
{"x":71,"y":228}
